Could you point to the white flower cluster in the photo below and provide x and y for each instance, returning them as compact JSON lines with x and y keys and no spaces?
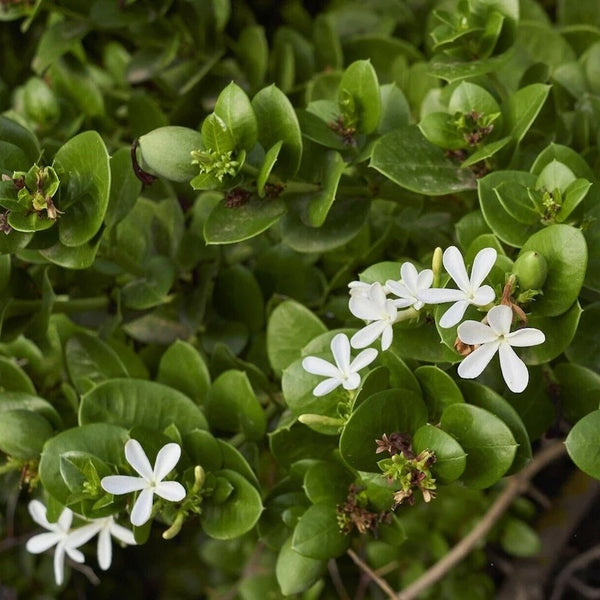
{"x":68,"y":540}
{"x":371,"y":303}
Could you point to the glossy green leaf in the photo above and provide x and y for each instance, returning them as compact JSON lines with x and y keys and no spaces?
{"x":395,"y":110}
{"x":523,"y":107}
{"x":139,"y":403}
{"x":216,"y":135}
{"x":19,"y":136}
{"x":297,"y":442}
{"x":233,"y":406}
{"x":152,"y":287}
{"x":408,"y":159}
{"x":228,"y":225}
{"x":237,"y":515}
{"x":23,"y":433}
{"x":264,"y":172}
{"x":488,"y":442}
{"x":439,"y":390}
{"x":183,"y":368}
{"x":450,"y":458}
{"x":234,"y":107}
{"x":13,"y":378}
{"x":582,"y":444}
{"x":327,"y":483}
{"x":296,"y":573}
{"x":579,"y":390}
{"x":290,"y":327}
{"x":277,"y":121}
{"x":360,"y":81}
{"x":392,"y":411}
{"x":317,"y":533}
{"x":584,"y":349}
{"x":252,"y":50}
{"x":565,"y":251}
{"x":28,"y":401}
{"x":83,"y":168}
{"x":125,"y":187}
{"x":520,"y":539}
{"x":320,"y":204}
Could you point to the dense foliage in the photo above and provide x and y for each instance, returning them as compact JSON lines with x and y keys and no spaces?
{"x":208,"y":207}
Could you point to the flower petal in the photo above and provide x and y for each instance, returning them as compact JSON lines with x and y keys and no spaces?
{"x":500,"y":319}
{"x":170,"y":490}
{"x":482,"y":265}
{"x":387,"y":336}
{"x":74,"y":554}
{"x":364,"y":358}
{"x":340,"y":348}
{"x":104,"y":549}
{"x":474,"y":332}
{"x":455,"y":265}
{"x":65,"y":519}
{"x":513,"y":369}
{"x":454,"y":314}
{"x":124,"y":535}
{"x":319,"y":366}
{"x":409,"y":275}
{"x":425,"y":279}
{"x":351,"y":382}
{"x":477,"y":361}
{"x":327,"y":386}
{"x":441,"y":295}
{"x":142,"y":509}
{"x":122,"y":484}
{"x":38,"y":513}
{"x":529,"y":336}
{"x":362,"y":307}
{"x":368,"y":334}
{"x":81,"y":535}
{"x":484,"y":295}
{"x":59,"y":564}
{"x":136,"y":457}
{"x":399,"y":289}
{"x":42,"y":541}
{"x":166,"y":459}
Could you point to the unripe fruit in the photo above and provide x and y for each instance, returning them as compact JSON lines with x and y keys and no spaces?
{"x":166,"y":152}
{"x":531,"y":269}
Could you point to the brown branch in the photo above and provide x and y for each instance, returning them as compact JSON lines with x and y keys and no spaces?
{"x":364,"y":567}
{"x":338,"y":583}
{"x":516,"y":486}
{"x":579,"y":562}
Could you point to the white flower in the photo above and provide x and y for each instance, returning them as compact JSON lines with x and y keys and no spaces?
{"x":150,"y":481}
{"x":410,"y":286}
{"x":361,"y":288}
{"x":106,"y":527}
{"x":470,"y":289}
{"x":497,"y":337}
{"x":59,"y":534}
{"x":380,"y":314}
{"x":344,"y":372}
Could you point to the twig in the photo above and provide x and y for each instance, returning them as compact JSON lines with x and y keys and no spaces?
{"x":516,"y":485}
{"x":579,"y":562}
{"x":587,"y":591}
{"x":334,"y":573}
{"x":364,"y":567}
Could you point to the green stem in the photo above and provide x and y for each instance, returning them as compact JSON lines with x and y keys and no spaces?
{"x":73,"y":305}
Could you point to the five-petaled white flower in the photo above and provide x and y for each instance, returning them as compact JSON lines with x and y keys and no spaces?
{"x":344,"y":372}
{"x":470,"y":289}
{"x":105,"y":527}
{"x":410,"y":286}
{"x":59,"y":534}
{"x":150,"y":481}
{"x":380,"y":314}
{"x":497,"y":337}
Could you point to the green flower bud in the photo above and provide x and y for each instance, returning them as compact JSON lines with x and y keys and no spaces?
{"x":531,"y":270}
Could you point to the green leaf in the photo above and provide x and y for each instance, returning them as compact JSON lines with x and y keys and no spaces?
{"x":360,"y":81}
{"x":582,"y":444}
{"x":233,"y":406}
{"x":392,"y":411}
{"x":139,"y":403}
{"x":523,"y":107}
{"x":125,"y":187}
{"x":13,"y":378}
{"x":264,"y":172}
{"x":183,"y":368}
{"x":83,"y":168}
{"x":252,"y":51}
{"x":90,"y":361}
{"x":237,"y":515}
{"x":277,"y":121}
{"x":229,"y":225}
{"x":166,"y":152}
{"x":216,"y":135}
{"x":320,"y":204}
{"x":484,"y":397}
{"x":408,"y":159}
{"x":439,"y":390}
{"x":520,"y":539}
{"x":152,"y":287}
{"x":291,"y":326}
{"x":17,"y":135}
{"x":440,"y":129}
{"x":317,"y":533}
{"x":296,"y":573}
{"x":234,"y":108}
{"x":488,"y":442}
{"x":579,"y":390}
{"x":395,"y":110}
{"x":103,"y":440}
{"x":469,"y":97}
{"x":297,"y":442}
{"x":565,"y":251}
{"x":327,"y":483}
{"x":585,"y":347}
{"x":21,"y":400}
{"x":203,"y":449}
{"x":450,"y":458}
{"x":23,"y":433}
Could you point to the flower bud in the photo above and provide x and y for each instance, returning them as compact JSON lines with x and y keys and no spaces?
{"x":531,"y":270}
